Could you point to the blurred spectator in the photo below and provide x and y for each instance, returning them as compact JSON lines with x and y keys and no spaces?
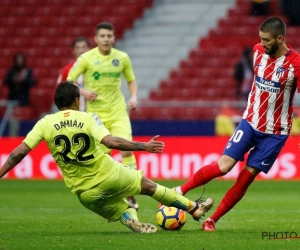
{"x":244,"y":74}
{"x":259,"y":8}
{"x":291,"y":9}
{"x":19,"y":80}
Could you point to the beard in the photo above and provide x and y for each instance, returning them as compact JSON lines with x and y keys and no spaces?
{"x":272,"y":50}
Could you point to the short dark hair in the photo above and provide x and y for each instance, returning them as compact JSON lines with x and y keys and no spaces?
{"x":275,"y":26}
{"x":80,"y":39}
{"x":65,"y":94}
{"x":104,"y":25}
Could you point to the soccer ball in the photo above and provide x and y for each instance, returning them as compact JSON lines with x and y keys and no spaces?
{"x":170,"y":218}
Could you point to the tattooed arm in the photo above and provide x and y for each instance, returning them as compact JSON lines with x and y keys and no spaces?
{"x":14,"y":158}
{"x":151,"y":146}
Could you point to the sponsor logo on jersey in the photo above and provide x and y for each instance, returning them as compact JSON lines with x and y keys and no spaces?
{"x":115,"y":62}
{"x":96,"y":75}
{"x":267,"y":85}
{"x":280,"y":71}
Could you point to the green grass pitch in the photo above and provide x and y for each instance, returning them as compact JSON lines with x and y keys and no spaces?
{"x":45,"y":215}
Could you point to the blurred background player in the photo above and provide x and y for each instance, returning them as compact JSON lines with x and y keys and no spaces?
{"x":102,"y":68}
{"x":99,"y":182}
{"x":80,"y":45}
{"x":266,"y":122}
{"x":19,"y":80}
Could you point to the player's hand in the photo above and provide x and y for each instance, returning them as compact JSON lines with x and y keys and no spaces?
{"x":132,"y":103}
{"x":154,"y":146}
{"x":89,"y":95}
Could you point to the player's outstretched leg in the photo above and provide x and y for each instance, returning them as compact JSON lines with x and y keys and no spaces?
{"x":201,"y":209}
{"x":169,"y":197}
{"x":232,"y":197}
{"x":130,"y":220}
{"x":201,"y":177}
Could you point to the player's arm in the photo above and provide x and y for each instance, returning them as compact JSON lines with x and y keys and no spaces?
{"x":14,"y":158}
{"x":89,"y":95}
{"x":118,"y":143}
{"x":132,"y":85}
{"x":100,"y":133}
{"x":77,"y":69}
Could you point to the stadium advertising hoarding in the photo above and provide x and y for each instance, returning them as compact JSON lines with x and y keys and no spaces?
{"x":181,"y":158}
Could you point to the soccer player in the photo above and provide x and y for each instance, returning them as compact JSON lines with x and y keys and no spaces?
{"x":266,"y":122}
{"x":80,"y":45}
{"x":102,"y":68}
{"x":99,"y":182}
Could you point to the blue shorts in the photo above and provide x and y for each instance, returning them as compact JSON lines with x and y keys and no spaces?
{"x":264,"y":148}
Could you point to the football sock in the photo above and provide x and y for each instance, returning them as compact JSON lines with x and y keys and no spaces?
{"x":234,"y":194}
{"x":129,"y":161}
{"x":201,"y":177}
{"x":170,"y":198}
{"x":129,"y":213}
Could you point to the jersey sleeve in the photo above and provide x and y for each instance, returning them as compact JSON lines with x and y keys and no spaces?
{"x":77,"y":69}
{"x":36,"y":135}
{"x":128,"y":70}
{"x":98,"y":130}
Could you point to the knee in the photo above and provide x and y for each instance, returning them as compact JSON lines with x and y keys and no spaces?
{"x":148,"y":187}
{"x":226,"y":163}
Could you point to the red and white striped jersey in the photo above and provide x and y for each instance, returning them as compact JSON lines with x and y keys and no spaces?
{"x":270,"y":102}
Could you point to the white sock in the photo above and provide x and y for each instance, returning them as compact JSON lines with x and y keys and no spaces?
{"x":178,"y":190}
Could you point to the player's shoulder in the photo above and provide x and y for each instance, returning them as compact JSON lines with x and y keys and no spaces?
{"x":87,"y":115}
{"x":95,"y":118}
{"x":258,"y":48}
{"x":44,"y":121}
{"x":293,"y":58}
{"x":119,"y":53}
{"x":81,"y":114}
{"x":294,"y":55}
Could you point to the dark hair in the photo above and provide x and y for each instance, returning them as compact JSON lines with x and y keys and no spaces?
{"x":275,"y":26}
{"x":80,"y":39}
{"x":104,"y":25}
{"x":65,"y":94}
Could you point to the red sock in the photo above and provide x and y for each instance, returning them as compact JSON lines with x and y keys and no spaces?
{"x":201,"y":177}
{"x":234,"y":194}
